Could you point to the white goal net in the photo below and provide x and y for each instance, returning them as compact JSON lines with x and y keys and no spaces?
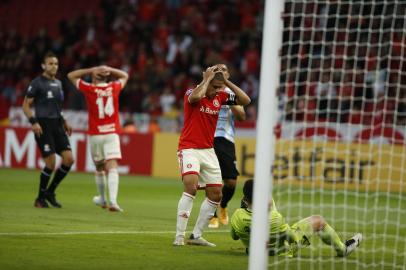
{"x":341,"y":147}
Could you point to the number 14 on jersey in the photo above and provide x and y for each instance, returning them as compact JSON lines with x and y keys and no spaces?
{"x":105,"y":108}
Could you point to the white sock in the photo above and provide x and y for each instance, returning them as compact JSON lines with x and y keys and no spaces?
{"x":185,"y":206}
{"x":100,"y":179}
{"x":112,"y":178}
{"x":206,"y":213}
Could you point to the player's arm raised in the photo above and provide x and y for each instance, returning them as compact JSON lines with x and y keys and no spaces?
{"x":122,"y":76}
{"x":199,"y":92}
{"x":238,"y":112}
{"x":241,"y":97}
{"x":75,"y":75}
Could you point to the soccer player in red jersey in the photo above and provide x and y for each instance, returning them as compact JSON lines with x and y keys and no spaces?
{"x":104,"y":126}
{"x":197,"y":159}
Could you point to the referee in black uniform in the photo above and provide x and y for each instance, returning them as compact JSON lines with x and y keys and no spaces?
{"x":50,"y":129}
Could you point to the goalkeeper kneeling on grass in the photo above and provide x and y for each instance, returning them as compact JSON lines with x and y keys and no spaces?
{"x":285,"y":240}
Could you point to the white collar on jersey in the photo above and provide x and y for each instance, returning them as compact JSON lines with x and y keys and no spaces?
{"x":101,"y":84}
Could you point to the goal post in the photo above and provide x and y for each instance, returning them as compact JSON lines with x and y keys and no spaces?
{"x":269,"y":81}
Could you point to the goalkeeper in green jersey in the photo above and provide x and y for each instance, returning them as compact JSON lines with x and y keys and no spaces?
{"x":285,"y":240}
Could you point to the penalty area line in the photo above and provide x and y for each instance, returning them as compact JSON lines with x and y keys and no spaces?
{"x":94,"y":233}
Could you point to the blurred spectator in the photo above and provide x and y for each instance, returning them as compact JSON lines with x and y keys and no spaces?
{"x":163,"y":45}
{"x":4,"y":108}
{"x":326,"y":97}
{"x":342,"y":41}
{"x":167,"y":100}
{"x":129,"y":125}
{"x":153,"y":126}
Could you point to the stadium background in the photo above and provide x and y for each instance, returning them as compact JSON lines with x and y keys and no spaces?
{"x":165,"y":45}
{"x":358,"y":103}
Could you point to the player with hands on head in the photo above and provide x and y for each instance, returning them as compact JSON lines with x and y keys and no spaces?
{"x":285,"y":240}
{"x":50,"y":128}
{"x":225,"y":151}
{"x":198,"y":162}
{"x":102,"y":97}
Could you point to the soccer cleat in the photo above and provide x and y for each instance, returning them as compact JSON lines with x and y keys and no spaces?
{"x":99,"y":202}
{"x":352,"y":243}
{"x":223,"y":215}
{"x":115,"y":208}
{"x":40,"y":203}
{"x":199,"y":241}
{"x":50,"y":197}
{"x":179,"y":240}
{"x":214,"y":223}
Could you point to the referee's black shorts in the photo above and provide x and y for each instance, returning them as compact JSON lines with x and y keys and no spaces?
{"x":225,"y":151}
{"x":53,"y":139}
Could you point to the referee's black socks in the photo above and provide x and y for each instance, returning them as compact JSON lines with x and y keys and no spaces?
{"x":44,"y":179}
{"x":58,"y":177}
{"x":228,"y":193}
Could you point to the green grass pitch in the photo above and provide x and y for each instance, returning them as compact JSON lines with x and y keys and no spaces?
{"x":83,"y":236}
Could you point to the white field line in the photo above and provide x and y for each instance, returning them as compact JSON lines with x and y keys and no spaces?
{"x":94,"y":233}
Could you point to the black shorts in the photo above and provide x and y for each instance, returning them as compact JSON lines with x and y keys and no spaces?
{"x":225,"y":151}
{"x":53,"y":139}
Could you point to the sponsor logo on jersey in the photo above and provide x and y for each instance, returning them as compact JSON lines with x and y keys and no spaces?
{"x":50,"y":94}
{"x":54,"y":84}
{"x":189,"y":166}
{"x":209,"y":111}
{"x":107,"y":128}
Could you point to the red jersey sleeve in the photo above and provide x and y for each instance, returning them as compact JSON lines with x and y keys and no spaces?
{"x":186,"y":97}
{"x":227,"y":98}
{"x":83,"y":86}
{"x":188,"y":92}
{"x":117,"y":86}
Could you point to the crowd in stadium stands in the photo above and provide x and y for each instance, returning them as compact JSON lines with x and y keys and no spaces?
{"x":344,"y":62}
{"x":163,"y":45}
{"x":340,"y":63}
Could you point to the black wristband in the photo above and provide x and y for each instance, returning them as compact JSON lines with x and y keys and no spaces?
{"x":32,"y":120}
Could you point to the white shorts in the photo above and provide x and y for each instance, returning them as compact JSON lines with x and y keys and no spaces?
{"x":105,"y":147}
{"x":202,"y":162}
